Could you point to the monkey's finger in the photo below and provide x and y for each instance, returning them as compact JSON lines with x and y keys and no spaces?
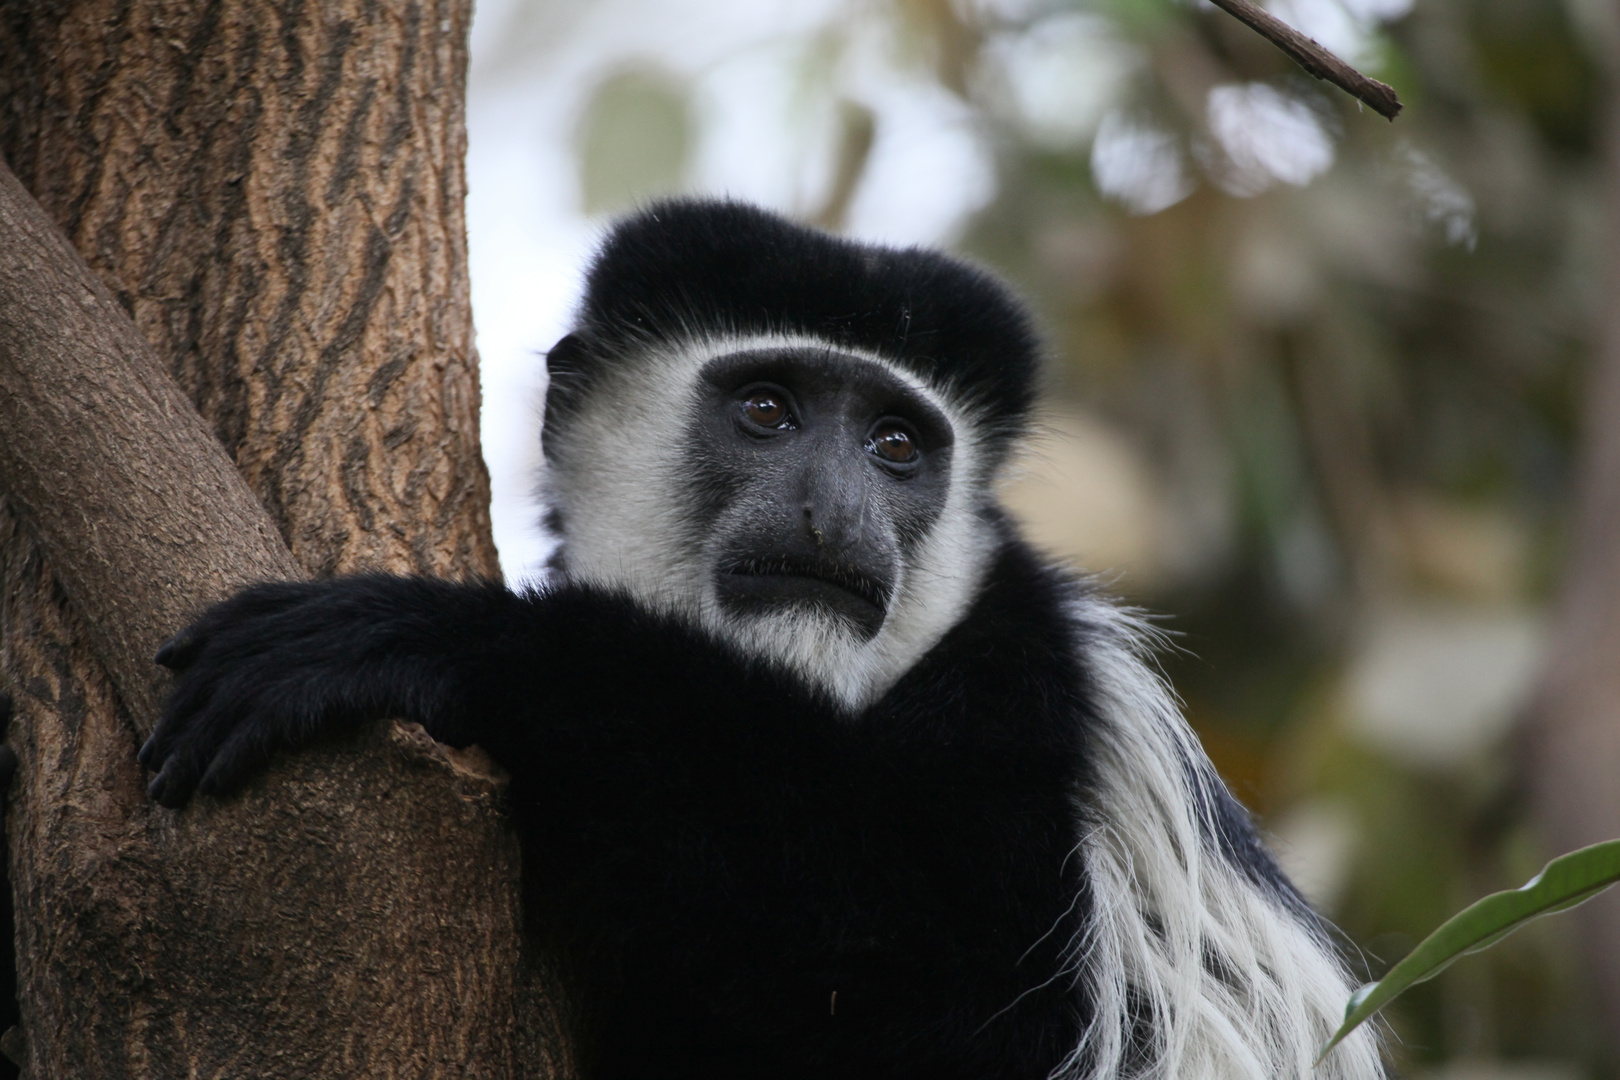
{"x":193,"y":730}
{"x":173,"y":786}
{"x":244,"y":753}
{"x":155,"y":750}
{"x":188,"y":704}
{"x":179,"y":651}
{"x":188,"y":753}
{"x":156,"y":747}
{"x":173,"y":732}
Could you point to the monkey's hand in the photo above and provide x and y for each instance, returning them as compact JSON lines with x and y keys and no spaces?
{"x":278,"y":665}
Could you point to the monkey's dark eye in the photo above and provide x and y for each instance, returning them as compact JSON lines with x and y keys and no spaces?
{"x":893,"y":444}
{"x":767,"y":408}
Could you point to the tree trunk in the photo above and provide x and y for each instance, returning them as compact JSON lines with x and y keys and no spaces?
{"x":1574,"y":726}
{"x":274,"y":193}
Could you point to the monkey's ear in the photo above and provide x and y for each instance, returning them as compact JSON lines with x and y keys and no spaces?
{"x":569,"y":356}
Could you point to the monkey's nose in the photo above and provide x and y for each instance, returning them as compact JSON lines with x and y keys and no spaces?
{"x":810,"y":527}
{"x":833,"y":508}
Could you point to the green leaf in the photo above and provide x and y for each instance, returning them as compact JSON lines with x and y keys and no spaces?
{"x":1566,"y":881}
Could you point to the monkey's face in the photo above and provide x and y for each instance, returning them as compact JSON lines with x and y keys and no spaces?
{"x":816,"y":475}
{"x":823,"y":509}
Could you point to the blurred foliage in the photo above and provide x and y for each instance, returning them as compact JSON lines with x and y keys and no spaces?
{"x":1349,"y":352}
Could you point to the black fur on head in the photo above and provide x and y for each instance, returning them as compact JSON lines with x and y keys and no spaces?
{"x":685,"y":268}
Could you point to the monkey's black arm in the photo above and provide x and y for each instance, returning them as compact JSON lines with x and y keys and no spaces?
{"x":753,"y":848}
{"x":277,"y":665}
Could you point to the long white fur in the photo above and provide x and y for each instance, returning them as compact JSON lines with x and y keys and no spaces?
{"x":1242,"y":989}
{"x":1237,"y":986}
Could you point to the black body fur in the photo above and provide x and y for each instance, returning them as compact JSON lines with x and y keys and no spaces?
{"x":740,"y":850}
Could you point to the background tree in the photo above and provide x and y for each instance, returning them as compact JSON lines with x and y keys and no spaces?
{"x":274,"y":195}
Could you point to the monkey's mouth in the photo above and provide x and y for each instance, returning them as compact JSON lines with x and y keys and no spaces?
{"x":778,"y":580}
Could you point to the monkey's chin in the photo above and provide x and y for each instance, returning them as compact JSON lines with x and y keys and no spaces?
{"x":770,"y":594}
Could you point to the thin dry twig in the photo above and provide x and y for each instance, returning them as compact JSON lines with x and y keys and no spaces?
{"x":1312,"y":57}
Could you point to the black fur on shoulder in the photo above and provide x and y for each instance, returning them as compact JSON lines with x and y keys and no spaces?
{"x":685,"y":267}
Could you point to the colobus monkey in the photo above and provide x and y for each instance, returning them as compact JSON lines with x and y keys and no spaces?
{"x":830,"y":771}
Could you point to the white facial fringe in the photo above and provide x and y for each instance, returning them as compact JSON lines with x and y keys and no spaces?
{"x":1232,"y":985}
{"x":628,"y":525}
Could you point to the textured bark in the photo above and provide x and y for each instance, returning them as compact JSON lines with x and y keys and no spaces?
{"x":102,"y":449}
{"x":1574,"y":726}
{"x":274,"y":193}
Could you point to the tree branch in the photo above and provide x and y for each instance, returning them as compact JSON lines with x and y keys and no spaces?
{"x":1316,"y":60}
{"x":145,"y":517}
